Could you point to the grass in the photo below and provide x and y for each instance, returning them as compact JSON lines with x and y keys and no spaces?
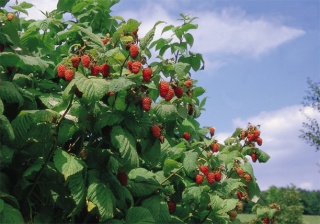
{"x":307,"y":219}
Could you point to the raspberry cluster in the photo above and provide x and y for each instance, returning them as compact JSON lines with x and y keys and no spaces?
{"x":210,"y":175}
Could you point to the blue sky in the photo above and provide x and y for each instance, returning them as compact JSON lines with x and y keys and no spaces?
{"x":258,"y":56}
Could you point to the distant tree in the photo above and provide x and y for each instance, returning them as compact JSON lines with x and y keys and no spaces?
{"x":311,"y":128}
{"x":310,"y":201}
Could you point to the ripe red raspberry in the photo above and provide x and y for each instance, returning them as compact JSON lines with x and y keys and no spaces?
{"x":156,"y":131}
{"x":123,"y":178}
{"x":215,"y":147}
{"x":172,"y":207}
{"x":190,"y":111}
{"x":170,"y":95}
{"x":199,"y":178}
{"x":129,"y":63}
{"x":247,"y":177}
{"x":186,"y":135}
{"x":136,"y":67}
{"x":217,"y":176}
{"x":85,"y":60}
{"x":163,"y":88}
{"x":178,"y":91}
{"x":188,"y":83}
{"x":146,"y":74}
{"x":134,"y":50}
{"x":250,"y":137}
{"x":75,"y":61}
{"x":10,"y":16}
{"x":240,"y":195}
{"x":256,"y":133}
{"x":61,"y":70}
{"x":210,"y":178}
{"x":259,"y":141}
{"x":105,"y":70}
{"x":95,"y":70}
{"x":266,"y":220}
{"x":104,"y":40}
{"x":204,"y":169}
{"x":254,"y":157}
{"x":240,"y":172}
{"x":68,"y":75}
{"x":212,"y":130}
{"x":146,"y":103}
{"x":135,"y":32}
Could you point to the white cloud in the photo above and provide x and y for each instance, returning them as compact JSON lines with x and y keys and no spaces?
{"x":231,"y":31}
{"x":292,"y":160}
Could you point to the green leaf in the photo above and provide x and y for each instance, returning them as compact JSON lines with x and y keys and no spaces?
{"x":108,"y":118}
{"x":229,"y":204}
{"x":263,"y":157}
{"x":9,"y":92}
{"x":146,"y":40}
{"x":126,"y":144}
{"x":170,"y":165}
{"x":120,"y":103}
{"x":21,"y":125}
{"x":3,"y":2}
{"x":1,"y":107}
{"x":65,"y":5}
{"x":6,"y":130}
{"x":77,"y":186}
{"x":158,"y":208}
{"x":190,"y":162}
{"x":198,"y":91}
{"x":165,"y":112}
{"x":10,"y":215}
{"x":67,"y":164}
{"x":35,"y":167}
{"x":101,"y":195}
{"x":247,"y":167}
{"x":189,"y":39}
{"x":151,"y":151}
{"x":94,"y":38}
{"x":139,"y":126}
{"x":142,"y":182}
{"x":6,"y":155}
{"x":119,"y":84}
{"x":139,"y":215}
{"x":236,"y":133}
{"x":181,"y":68}
{"x":93,"y":89}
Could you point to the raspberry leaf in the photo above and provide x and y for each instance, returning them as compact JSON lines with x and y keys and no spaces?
{"x":189,"y":162}
{"x":120,"y":84}
{"x":139,"y":215}
{"x":165,"y":112}
{"x":158,"y":209}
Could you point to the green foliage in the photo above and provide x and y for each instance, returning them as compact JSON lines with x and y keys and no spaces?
{"x":81,"y":146}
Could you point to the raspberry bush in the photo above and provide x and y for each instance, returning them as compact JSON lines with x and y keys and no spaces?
{"x":98,"y":124}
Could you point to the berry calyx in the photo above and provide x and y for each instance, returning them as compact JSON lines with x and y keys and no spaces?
{"x":199,"y":178}
{"x":178,"y":91}
{"x":146,"y":103}
{"x":134,"y":50}
{"x":156,"y":131}
{"x":204,"y":169}
{"x":85,"y":60}
{"x":172,"y":207}
{"x":163,"y":88}
{"x":68,"y":75}
{"x":123,"y":178}
{"x":186,"y":135}
{"x":146,"y":74}
{"x":61,"y":70}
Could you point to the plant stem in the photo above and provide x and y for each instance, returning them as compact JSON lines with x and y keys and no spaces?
{"x":171,"y":175}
